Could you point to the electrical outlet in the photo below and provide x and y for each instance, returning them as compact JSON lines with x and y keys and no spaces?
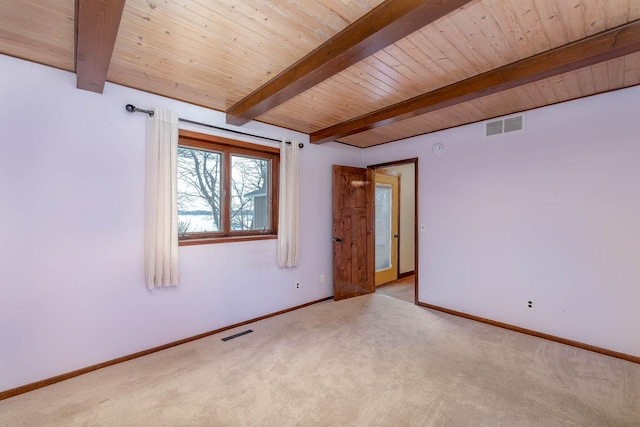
{"x":322,"y":278}
{"x":297,"y":285}
{"x":531,"y":304}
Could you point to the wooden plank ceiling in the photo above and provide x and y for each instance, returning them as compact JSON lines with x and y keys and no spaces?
{"x":319,"y":66}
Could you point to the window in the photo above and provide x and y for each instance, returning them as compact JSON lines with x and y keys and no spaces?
{"x":227,"y":189}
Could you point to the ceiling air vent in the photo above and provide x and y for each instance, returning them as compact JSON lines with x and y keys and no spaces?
{"x":506,"y":125}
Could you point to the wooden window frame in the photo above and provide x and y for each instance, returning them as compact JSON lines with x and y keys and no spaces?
{"x":228,"y":147}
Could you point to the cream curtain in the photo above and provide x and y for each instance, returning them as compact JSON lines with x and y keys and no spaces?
{"x":288,"y":205}
{"x":161,"y":211}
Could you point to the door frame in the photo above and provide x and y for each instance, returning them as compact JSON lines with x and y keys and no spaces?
{"x":414,"y":161}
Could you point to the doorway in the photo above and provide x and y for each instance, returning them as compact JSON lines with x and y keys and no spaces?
{"x":353,"y":229}
{"x":402,"y":283}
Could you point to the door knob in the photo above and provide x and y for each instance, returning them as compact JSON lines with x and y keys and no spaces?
{"x":337,"y":239}
{"x":396,"y":236}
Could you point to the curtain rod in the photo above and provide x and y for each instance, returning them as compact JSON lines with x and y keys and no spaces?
{"x":132,"y":109}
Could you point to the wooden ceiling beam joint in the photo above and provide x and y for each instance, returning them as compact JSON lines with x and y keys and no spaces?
{"x":592,"y":50}
{"x":387,"y":23}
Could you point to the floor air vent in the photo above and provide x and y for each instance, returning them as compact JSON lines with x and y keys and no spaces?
{"x":239,"y":334}
{"x":509,"y":124}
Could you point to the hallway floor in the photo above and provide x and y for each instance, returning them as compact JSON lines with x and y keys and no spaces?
{"x":403,"y":289}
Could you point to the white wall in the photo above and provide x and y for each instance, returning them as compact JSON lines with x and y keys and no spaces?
{"x":551,"y":214}
{"x":71,"y":232}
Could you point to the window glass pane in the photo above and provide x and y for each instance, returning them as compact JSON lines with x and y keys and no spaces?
{"x":199,"y":173}
{"x":250,"y":193}
{"x":383,"y":226}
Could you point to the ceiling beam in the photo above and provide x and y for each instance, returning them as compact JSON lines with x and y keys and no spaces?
{"x":592,"y":50}
{"x":96,"y":28}
{"x":384,"y":25}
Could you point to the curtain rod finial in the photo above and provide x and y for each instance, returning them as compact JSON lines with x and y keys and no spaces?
{"x":300,"y":145}
{"x":133,"y":109}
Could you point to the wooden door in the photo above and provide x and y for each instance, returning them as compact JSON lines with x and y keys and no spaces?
{"x":386,"y":230}
{"x":353,"y":250}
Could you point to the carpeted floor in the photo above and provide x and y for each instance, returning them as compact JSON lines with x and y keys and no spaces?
{"x":367,"y":361}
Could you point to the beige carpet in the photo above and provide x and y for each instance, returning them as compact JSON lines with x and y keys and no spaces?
{"x":372,"y":360}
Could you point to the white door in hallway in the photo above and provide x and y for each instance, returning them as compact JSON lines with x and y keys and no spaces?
{"x":387,"y":210}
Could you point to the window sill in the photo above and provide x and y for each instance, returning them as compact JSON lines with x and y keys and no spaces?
{"x":230,"y":239}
